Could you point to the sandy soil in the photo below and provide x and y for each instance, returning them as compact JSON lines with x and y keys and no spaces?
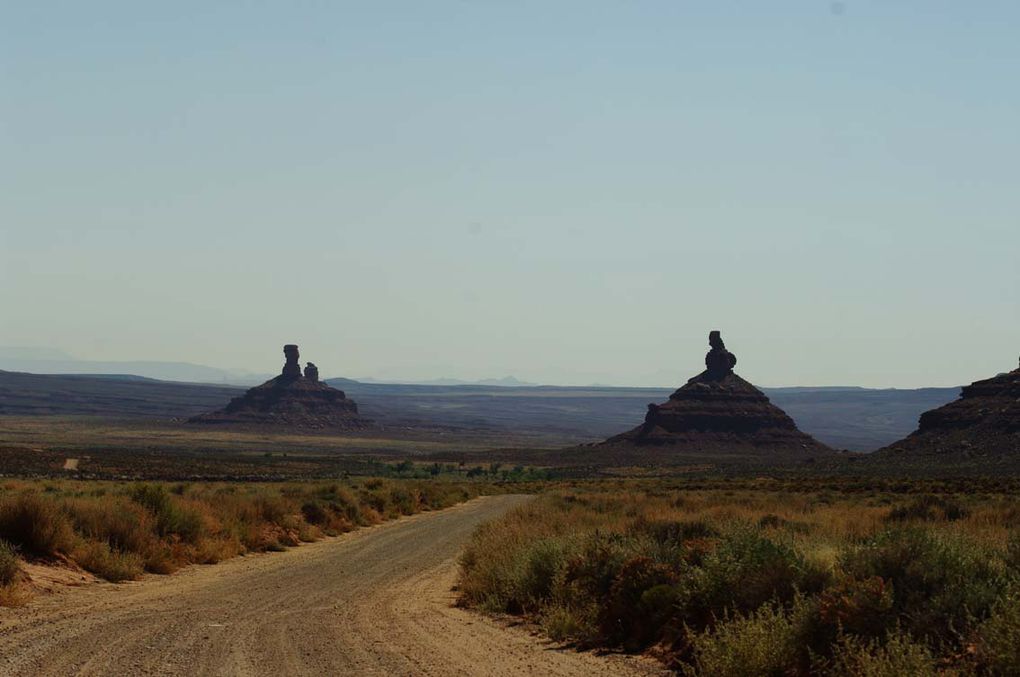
{"x":373,"y":602}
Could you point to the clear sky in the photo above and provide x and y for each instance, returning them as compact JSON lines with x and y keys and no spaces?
{"x":569,"y":192}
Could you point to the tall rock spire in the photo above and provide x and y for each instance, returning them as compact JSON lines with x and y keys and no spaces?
{"x":291,"y":369}
{"x":719,"y":362}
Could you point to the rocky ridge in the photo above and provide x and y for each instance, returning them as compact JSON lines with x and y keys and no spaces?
{"x":985,"y":420}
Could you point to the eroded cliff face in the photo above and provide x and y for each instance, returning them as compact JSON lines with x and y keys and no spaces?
{"x":985,"y":420}
{"x":292,"y":400}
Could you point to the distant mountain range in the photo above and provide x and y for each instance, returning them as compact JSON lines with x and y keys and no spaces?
{"x":505,"y":382}
{"x":52,"y":361}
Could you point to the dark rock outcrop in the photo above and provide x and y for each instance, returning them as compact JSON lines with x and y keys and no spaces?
{"x":291,"y":400}
{"x":718,"y":361}
{"x":291,"y":369}
{"x":717,"y":411}
{"x":985,"y":420}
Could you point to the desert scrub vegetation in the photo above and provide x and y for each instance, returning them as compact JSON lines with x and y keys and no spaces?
{"x":748,"y":581}
{"x":120,"y":530}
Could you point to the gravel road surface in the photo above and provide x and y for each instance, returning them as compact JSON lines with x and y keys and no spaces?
{"x":377,"y":601}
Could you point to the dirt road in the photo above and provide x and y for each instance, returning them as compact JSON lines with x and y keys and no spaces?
{"x":373,"y":602}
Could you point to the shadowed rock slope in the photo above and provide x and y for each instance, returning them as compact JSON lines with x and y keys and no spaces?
{"x":984,"y":421}
{"x":716,"y":414}
{"x":292,"y":400}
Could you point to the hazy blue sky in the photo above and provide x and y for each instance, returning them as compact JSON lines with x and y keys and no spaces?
{"x":570,"y":192}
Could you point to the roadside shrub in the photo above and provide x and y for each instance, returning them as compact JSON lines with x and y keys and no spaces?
{"x":9,"y":566}
{"x":35,"y":524}
{"x":172,"y":519}
{"x":562,"y":624}
{"x":543,"y":561}
{"x":747,"y":570}
{"x":122,"y":524}
{"x":314,"y":513}
{"x":346,"y":506}
{"x":403,"y":500}
{"x":113,"y":565}
{"x":592,"y":570}
{"x":272,"y":508}
{"x":639,"y":603}
{"x":898,"y":656}
{"x":724,"y":580}
{"x":941,"y":584}
{"x":373,"y":500}
{"x":762,"y":642}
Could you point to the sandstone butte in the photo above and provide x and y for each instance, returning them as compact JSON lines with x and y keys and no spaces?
{"x":719,"y":413}
{"x":291,"y":400}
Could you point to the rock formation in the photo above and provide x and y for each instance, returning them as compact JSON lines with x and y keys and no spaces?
{"x":717,"y":411}
{"x":291,"y":400}
{"x":291,"y":369}
{"x":718,"y":361}
{"x":985,"y":420}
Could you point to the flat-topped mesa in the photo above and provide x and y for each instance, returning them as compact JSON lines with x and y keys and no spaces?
{"x":717,"y":411}
{"x":291,"y":400}
{"x":984,"y":421}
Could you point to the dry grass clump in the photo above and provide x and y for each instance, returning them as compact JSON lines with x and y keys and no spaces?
{"x":120,"y":530}
{"x":11,"y":594}
{"x":9,"y":566}
{"x":36,"y":524}
{"x":746,"y":582}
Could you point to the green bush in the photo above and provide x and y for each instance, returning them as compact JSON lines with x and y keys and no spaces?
{"x":640,"y":601}
{"x":941,"y":583}
{"x":592,"y":570}
{"x":562,"y":623}
{"x":171,"y":518}
{"x":745,"y":571}
{"x":344,"y":504}
{"x":898,"y":656}
{"x":403,"y":500}
{"x":998,"y":638}
{"x":543,"y":561}
{"x":762,"y":642}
